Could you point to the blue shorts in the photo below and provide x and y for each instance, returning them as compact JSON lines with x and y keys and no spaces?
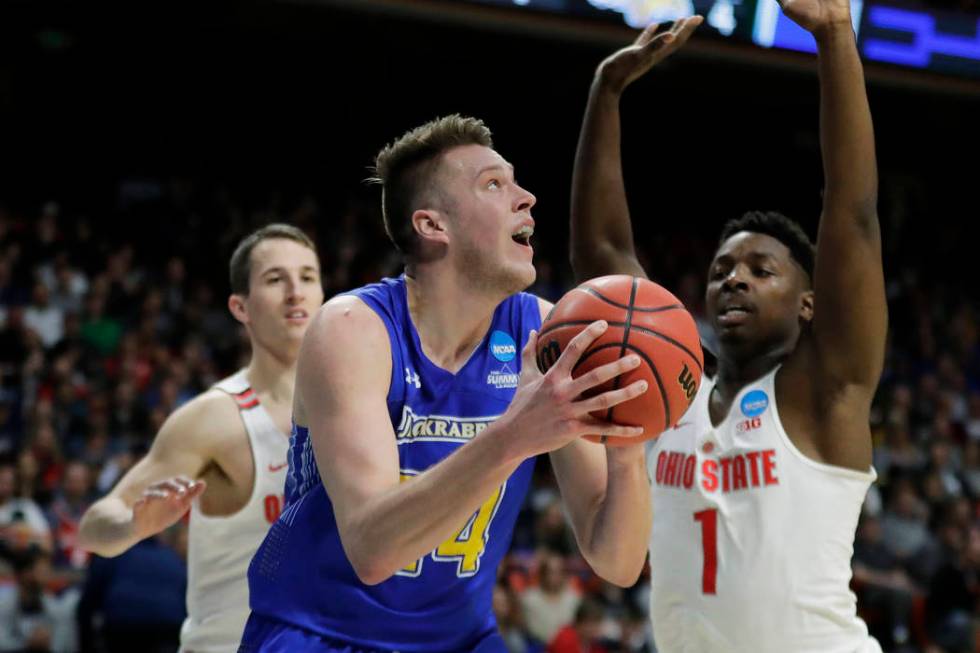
{"x":264,"y":635}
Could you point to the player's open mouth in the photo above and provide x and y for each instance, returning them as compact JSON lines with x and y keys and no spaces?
{"x":298,"y":315}
{"x":523,"y":235}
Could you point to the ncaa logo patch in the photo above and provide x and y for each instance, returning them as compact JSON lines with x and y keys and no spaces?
{"x":755,"y":403}
{"x":502,"y":346}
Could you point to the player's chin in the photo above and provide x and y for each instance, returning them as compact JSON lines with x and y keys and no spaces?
{"x":524,"y":277}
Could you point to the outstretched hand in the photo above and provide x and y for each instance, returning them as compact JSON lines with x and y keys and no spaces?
{"x":164,"y":503}
{"x":623,"y":67}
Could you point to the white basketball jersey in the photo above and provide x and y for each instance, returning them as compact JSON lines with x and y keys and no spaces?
{"x":220,"y":548}
{"x":752,"y":541}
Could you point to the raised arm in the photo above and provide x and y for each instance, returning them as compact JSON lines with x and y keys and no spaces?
{"x":159,"y":489}
{"x":387,"y":523}
{"x":601,"y":233}
{"x":850,"y":313}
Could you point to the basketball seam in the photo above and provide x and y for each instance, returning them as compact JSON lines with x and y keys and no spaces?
{"x":645,"y":330}
{"x":642,"y":354}
{"x":622,"y":350}
{"x":595,"y":293}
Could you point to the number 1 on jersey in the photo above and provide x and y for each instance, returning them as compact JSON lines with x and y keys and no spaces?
{"x":709,"y":547}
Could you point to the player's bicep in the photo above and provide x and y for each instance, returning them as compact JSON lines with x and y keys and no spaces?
{"x":342,"y":381}
{"x":850,"y":309}
{"x":180,"y":448}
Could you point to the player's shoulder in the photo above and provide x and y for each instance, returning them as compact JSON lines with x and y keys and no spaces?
{"x":210,"y":417}
{"x":346,"y":319}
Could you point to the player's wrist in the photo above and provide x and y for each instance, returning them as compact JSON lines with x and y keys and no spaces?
{"x":607,"y":84}
{"x":836,"y":30}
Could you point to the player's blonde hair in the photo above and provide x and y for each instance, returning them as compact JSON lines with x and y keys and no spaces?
{"x":406,"y":168}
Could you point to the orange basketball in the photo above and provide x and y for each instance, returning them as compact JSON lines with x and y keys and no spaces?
{"x":644,"y":319}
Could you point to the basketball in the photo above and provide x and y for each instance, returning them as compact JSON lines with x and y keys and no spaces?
{"x":644,"y":319}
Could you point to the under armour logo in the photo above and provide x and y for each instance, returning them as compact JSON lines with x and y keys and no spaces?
{"x":412,"y":378}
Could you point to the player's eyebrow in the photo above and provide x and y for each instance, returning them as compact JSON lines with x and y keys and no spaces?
{"x":495,"y":166}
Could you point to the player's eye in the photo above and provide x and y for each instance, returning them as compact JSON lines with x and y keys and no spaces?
{"x":493,"y":184}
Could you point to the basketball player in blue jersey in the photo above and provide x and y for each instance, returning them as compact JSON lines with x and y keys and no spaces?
{"x":419,"y":411}
{"x":751,"y":553}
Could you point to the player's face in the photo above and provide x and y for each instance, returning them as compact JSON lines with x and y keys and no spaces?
{"x":490,"y":223}
{"x":284,"y":293}
{"x":757,"y":294}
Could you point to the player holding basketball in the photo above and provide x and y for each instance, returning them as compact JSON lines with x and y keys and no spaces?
{"x":417,"y":419}
{"x":758,"y":490}
{"x":231,"y":440}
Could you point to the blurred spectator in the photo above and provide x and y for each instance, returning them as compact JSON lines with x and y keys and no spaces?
{"x":904,"y":524}
{"x":510,"y":621}
{"x":552,"y":603}
{"x":885,"y":589}
{"x":33,"y":617}
{"x":584,"y":634}
{"x":953,"y":597}
{"x":118,"y":615}
{"x":66,"y":512}
{"x":44,"y":318}
{"x":22,"y":522}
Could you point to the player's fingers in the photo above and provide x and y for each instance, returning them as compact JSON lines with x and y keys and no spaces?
{"x":170,"y":485}
{"x":196,"y":489}
{"x":603,"y":373}
{"x":647,"y":34}
{"x":658,"y":43}
{"x":685,"y":30}
{"x":612,"y":398}
{"x":151,"y":493}
{"x":593,"y":426}
{"x":577,"y":346}
{"x":529,"y":363}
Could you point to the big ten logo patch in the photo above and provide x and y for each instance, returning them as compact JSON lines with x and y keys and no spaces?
{"x":273,"y":506}
{"x":748,"y":425}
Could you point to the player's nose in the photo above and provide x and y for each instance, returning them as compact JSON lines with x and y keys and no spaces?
{"x":524,"y":200}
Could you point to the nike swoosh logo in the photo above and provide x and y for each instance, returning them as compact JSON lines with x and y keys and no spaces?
{"x":276,"y":468}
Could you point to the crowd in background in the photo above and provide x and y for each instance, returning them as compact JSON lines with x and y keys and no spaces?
{"x":110,"y":322}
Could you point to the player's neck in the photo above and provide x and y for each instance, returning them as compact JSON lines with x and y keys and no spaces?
{"x":735,"y":373}
{"x":450,"y":320}
{"x":270,"y":375}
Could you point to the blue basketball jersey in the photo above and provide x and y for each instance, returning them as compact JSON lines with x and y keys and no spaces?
{"x":442,"y":602}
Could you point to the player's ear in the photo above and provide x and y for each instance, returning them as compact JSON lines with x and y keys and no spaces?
{"x":430,"y":225}
{"x":236,"y":304}
{"x":806,"y":306}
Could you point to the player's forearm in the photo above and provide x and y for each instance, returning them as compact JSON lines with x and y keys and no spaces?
{"x":393,"y":530}
{"x":620,"y":529}
{"x":107,"y":528}
{"x":601,"y":233}
{"x":846,"y":131}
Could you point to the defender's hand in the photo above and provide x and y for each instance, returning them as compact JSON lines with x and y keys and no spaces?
{"x":164,"y":503}
{"x":817,"y":15}
{"x":622,"y":68}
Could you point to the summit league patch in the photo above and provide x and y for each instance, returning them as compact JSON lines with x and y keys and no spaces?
{"x":504,"y":349}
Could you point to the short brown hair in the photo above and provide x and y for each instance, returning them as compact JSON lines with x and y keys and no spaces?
{"x":240,"y":267}
{"x":405,"y":169}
